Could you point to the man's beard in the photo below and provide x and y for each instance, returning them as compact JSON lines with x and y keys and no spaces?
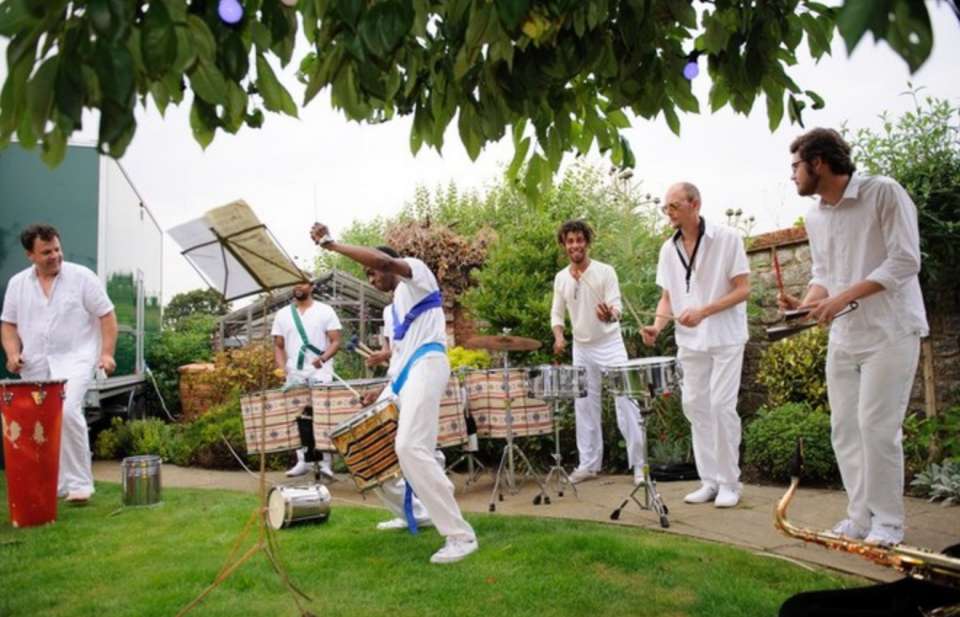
{"x":810,"y":186}
{"x":300,"y":295}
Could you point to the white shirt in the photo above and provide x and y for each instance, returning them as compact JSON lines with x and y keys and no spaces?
{"x":719,"y":260}
{"x":871,"y":234}
{"x":317,"y":320}
{"x":429,"y":327}
{"x":60,"y":333}
{"x":597,"y":284}
{"x":387,"y":336}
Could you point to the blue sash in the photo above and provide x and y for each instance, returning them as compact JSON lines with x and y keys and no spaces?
{"x":396,"y":386}
{"x":430,"y":301}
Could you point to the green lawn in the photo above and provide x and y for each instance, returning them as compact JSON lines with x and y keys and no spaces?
{"x":105,"y":562}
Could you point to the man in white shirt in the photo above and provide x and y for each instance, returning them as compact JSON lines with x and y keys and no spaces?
{"x":590,"y":292}
{"x":865,"y":247}
{"x":420,"y":371}
{"x":704,"y":274}
{"x":58,"y":323}
{"x":306,"y":337}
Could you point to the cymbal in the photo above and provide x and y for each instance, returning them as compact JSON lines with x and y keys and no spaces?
{"x":502,"y":342}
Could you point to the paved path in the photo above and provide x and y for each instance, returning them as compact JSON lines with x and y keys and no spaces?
{"x":750,"y":525}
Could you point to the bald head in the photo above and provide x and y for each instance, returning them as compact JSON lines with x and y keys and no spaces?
{"x":689,"y":191}
{"x":682,"y":205}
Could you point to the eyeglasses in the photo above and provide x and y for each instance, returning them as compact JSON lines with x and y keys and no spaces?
{"x":668,"y":208}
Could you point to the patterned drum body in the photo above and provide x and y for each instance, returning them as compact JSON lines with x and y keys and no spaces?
{"x":269,"y":419}
{"x":453,"y":424}
{"x":556,"y":383}
{"x":643,"y":377}
{"x":333,"y":405}
{"x":487,"y":402}
{"x":32,"y":413}
{"x":366,"y":443}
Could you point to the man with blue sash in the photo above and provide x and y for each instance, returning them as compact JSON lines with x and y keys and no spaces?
{"x":306,"y":337}
{"x":421,"y":376}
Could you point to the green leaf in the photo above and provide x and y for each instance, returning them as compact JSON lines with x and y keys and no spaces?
{"x":40,"y":94}
{"x":202,"y":38}
{"x":469,"y":135}
{"x":208,"y":83}
{"x":671,"y":116}
{"x":100,"y":17}
{"x":114,"y":66}
{"x":385,"y":25}
{"x":816,"y":99}
{"x":158,"y":41}
{"x":774,"y":109}
{"x":161,"y":96}
{"x":618,"y":119}
{"x":719,"y":95}
{"x":683,"y":12}
{"x":519,"y":156}
{"x":275,"y":96}
{"x":201,"y":123}
{"x":348,"y":10}
{"x":512,"y":12}
{"x":54,"y":148}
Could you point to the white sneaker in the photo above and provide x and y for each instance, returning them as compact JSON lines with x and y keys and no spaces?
{"x":706,"y":492}
{"x":582,"y":475}
{"x":299,"y":469}
{"x":848,"y":529}
{"x":455,"y":549}
{"x":727,"y":497}
{"x":79,"y":497}
{"x":884,"y":534}
{"x":638,"y":478}
{"x":326,"y":471}
{"x":401,"y":523}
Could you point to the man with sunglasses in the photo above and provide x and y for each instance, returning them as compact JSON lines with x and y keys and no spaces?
{"x":704,"y":274}
{"x":865,"y":247}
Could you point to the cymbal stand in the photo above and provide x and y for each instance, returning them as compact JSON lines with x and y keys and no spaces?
{"x":651,"y":498}
{"x":507,"y":458}
{"x":557,"y":468}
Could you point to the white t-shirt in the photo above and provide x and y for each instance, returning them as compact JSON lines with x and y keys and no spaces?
{"x":871,"y":234}
{"x":429,"y":327}
{"x":61,"y":333}
{"x":719,"y":260}
{"x":388,"y":340}
{"x":597,"y":284}
{"x":317,"y":320}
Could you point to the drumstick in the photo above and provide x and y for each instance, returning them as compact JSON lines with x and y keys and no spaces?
{"x":363,"y":347}
{"x":337,"y":377}
{"x":776,"y":270}
{"x":636,"y":314}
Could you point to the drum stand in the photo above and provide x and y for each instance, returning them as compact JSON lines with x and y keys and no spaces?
{"x":507,"y":460}
{"x":557,"y":468}
{"x":651,"y":498}
{"x":474,"y":466}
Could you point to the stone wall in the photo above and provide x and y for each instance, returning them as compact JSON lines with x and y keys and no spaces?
{"x":793,"y":253}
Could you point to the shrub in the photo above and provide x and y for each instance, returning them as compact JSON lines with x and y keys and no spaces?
{"x":468,"y":358}
{"x":940,"y":482}
{"x":239,"y":371}
{"x":794,"y":370}
{"x":113,"y":442}
{"x":171,"y":349}
{"x":771,"y":438}
{"x":668,"y":432}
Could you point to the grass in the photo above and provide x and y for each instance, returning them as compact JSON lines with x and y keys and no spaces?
{"x":105,"y":562}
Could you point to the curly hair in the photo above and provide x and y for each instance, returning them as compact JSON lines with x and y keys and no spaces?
{"x":572,"y":226}
{"x":826,"y":145}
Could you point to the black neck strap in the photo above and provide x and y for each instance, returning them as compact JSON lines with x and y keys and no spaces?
{"x":688,"y":267}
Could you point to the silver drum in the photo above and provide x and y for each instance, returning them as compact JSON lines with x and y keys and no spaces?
{"x":290,"y":505}
{"x":549,"y":382}
{"x":643,"y":377}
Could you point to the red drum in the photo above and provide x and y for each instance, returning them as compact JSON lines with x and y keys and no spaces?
{"x":487,"y":403}
{"x":275,"y":429}
{"x":32,"y":416}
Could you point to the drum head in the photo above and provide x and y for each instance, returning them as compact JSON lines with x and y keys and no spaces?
{"x":276,"y":508}
{"x":653,"y":361}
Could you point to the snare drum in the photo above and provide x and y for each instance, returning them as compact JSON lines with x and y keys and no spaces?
{"x":642,"y":377}
{"x":487,"y":402}
{"x":269,"y":419}
{"x":290,"y":505}
{"x":453,"y":424}
{"x":552,"y":383}
{"x":366,"y":443}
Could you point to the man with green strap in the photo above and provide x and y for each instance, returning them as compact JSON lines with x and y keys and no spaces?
{"x":306,"y":337}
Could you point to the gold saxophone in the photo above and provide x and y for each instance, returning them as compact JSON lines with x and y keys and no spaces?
{"x":915,"y":562}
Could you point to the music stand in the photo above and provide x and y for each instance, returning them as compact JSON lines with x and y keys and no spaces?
{"x":236,"y":255}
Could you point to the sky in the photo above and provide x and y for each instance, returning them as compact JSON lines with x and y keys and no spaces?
{"x":322,"y":167}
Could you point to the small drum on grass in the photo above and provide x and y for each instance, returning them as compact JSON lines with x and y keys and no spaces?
{"x":366,"y":443}
{"x":32,"y":413}
{"x":643,"y":377}
{"x":293,"y":505}
{"x":487,"y":402}
{"x":140,"y":480}
{"x":552,"y":383}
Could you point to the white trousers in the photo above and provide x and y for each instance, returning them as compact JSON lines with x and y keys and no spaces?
{"x":711,"y":381}
{"x":419,"y":403}
{"x":588,"y":409}
{"x":76,"y":472}
{"x":869,"y":393}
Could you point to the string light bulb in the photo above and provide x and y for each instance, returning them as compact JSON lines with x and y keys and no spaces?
{"x":231,"y":11}
{"x":691,"y":69}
